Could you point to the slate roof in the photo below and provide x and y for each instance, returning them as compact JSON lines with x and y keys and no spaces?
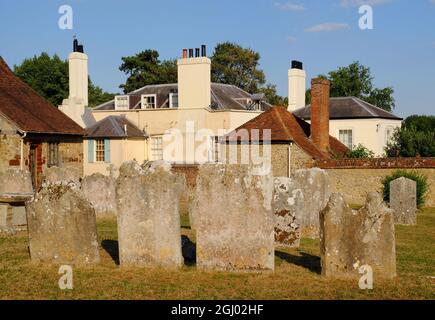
{"x":349,"y":108}
{"x":287,"y":128}
{"x":30,"y":112}
{"x":113,"y":127}
{"x":223,"y":97}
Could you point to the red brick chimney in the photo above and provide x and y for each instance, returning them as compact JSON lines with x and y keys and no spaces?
{"x":320,"y":113}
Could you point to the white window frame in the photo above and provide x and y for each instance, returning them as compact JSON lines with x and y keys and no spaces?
{"x":152,"y":148}
{"x":171,"y":100}
{"x":387,"y":139}
{"x":353,"y":136}
{"x":117,"y":107}
{"x":144,"y":96}
{"x":95,"y":150}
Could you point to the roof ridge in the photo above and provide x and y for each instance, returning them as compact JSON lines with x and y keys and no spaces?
{"x":358,"y":101}
{"x":372,"y":105}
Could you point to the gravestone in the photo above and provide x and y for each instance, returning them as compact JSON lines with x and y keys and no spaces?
{"x":234,"y":219}
{"x":288,"y":207}
{"x":351,"y":239}
{"x":62,"y":175}
{"x":101,"y":193}
{"x":403,"y":200}
{"x":315,"y":186}
{"x":149,"y":228}
{"x":62,"y":226}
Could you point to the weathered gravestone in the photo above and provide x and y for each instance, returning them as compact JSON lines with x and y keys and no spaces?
{"x":351,"y":239}
{"x":101,"y":193}
{"x":315,"y":186}
{"x":15,"y":189}
{"x":149,"y":228}
{"x":403,"y":200}
{"x":62,"y":175}
{"x":234,"y":219}
{"x":62,"y":226}
{"x":288,"y":206}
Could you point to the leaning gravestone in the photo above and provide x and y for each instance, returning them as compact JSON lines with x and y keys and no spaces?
{"x":100,"y":191}
{"x":350,"y":239}
{"x":62,"y":175}
{"x":234,"y":219}
{"x":62,"y":226}
{"x":315,"y":186}
{"x":288,"y":206}
{"x":149,"y":228}
{"x":403,"y":200}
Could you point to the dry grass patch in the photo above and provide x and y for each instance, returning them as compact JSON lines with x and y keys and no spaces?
{"x":296,"y":275}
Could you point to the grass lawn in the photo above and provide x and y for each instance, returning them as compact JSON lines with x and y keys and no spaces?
{"x":296,"y":275}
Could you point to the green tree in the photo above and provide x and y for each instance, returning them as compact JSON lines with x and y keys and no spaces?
{"x":272,"y":97}
{"x":145,"y":68}
{"x":415,"y":138}
{"x":356,"y":80}
{"x":361,"y":152}
{"x":233,"y":64}
{"x":49,"y":76}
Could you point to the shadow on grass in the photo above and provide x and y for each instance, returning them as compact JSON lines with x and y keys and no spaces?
{"x":305,"y":260}
{"x":112,"y":248}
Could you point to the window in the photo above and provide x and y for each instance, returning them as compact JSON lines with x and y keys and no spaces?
{"x":149,"y":101}
{"x":122,"y":102}
{"x":99,"y":150}
{"x":388,"y":134}
{"x":173,"y":100}
{"x":157,"y":148}
{"x":53,"y":154}
{"x":346,"y":137}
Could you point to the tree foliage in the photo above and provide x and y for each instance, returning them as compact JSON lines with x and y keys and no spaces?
{"x":356,"y":80}
{"x":49,"y":77}
{"x":145,"y":68}
{"x":415,"y":138}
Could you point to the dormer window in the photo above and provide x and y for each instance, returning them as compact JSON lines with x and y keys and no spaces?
{"x":173,"y":100}
{"x":149,"y":101}
{"x":122,"y":102}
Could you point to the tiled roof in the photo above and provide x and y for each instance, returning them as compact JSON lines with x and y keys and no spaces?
{"x":349,"y":108}
{"x":223,"y":97}
{"x":113,"y":127}
{"x":29,"y":111}
{"x":285,"y":127}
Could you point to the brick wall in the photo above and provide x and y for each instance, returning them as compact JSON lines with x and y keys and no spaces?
{"x":355,"y":177}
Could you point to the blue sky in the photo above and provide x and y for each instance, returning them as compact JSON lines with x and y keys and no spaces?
{"x":400,"y":50}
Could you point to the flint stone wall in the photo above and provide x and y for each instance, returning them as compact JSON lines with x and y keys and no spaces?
{"x":403,"y":200}
{"x":315,"y":187}
{"x":62,"y":226}
{"x":234,"y":219}
{"x":350,"y":239}
{"x":288,"y":207}
{"x":149,"y":229}
{"x":101,"y":193}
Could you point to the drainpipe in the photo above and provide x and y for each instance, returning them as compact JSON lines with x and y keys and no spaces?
{"x":289,"y":159}
{"x":125,"y":142}
{"x":24,"y":134}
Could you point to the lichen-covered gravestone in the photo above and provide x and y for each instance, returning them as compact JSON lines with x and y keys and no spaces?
{"x":62,"y":175}
{"x":149,"y":230}
{"x":234,"y":219}
{"x":315,"y":186}
{"x":351,"y":239}
{"x":288,"y":206}
{"x":101,"y":193}
{"x":403,"y":200}
{"x":62,"y":226}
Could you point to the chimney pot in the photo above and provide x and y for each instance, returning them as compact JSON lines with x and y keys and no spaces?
{"x":190,"y":53}
{"x":320,"y":89}
{"x":297,"y":65}
{"x":203,"y":50}
{"x":197,"y":52}
{"x":184,"y":53}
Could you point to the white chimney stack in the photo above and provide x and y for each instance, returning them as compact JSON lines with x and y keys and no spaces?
{"x":194,"y":79}
{"x":296,"y":86}
{"x":76,"y":105}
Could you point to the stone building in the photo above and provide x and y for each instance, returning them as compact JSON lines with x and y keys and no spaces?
{"x":34,"y":135}
{"x":294,"y":143}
